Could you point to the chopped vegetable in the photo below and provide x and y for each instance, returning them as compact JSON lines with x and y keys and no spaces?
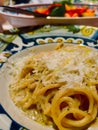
{"x":67,"y":9}
{"x":58,"y":11}
{"x":88,"y":12}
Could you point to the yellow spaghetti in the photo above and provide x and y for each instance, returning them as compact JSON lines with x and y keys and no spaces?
{"x":59,"y":87}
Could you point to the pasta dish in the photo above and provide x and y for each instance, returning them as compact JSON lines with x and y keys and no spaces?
{"x":58,"y":88}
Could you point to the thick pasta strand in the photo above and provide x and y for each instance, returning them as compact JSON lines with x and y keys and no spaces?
{"x":72,"y":110}
{"x":94,"y":92}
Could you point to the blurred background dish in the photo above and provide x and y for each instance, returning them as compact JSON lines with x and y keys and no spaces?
{"x":20,"y":20}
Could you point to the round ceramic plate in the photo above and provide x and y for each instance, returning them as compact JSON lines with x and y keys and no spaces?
{"x":20,"y":45}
